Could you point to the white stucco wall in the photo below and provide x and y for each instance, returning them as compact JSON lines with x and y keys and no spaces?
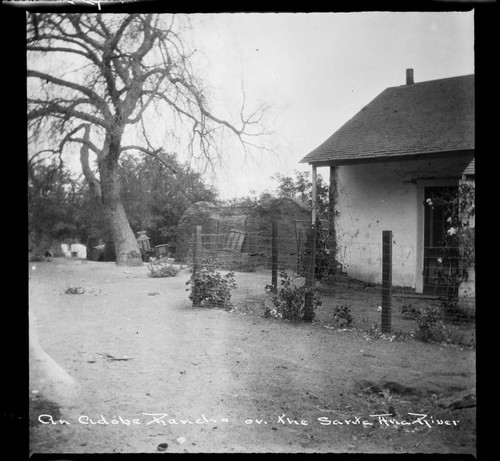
{"x":387,"y":196}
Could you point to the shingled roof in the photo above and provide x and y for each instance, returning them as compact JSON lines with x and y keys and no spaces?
{"x":424,"y":118}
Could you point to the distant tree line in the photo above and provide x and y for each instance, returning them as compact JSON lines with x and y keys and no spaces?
{"x":297,"y":187}
{"x":62,"y":208}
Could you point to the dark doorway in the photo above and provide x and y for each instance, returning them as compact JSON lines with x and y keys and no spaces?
{"x":435,"y":227}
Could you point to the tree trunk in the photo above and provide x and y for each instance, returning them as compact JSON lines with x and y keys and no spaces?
{"x":126,"y":247}
{"x":100,"y":223}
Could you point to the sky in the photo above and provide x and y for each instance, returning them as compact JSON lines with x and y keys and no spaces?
{"x":316,"y":71}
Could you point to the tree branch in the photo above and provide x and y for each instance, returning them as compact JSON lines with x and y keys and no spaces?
{"x":93,"y":182}
{"x":65,"y":38}
{"x":75,"y":22}
{"x":56,"y":49}
{"x":92,"y":95}
{"x":151,"y":153}
{"x":152,"y":94}
{"x":52,"y":109}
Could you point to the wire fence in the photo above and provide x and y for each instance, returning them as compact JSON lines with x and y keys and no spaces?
{"x":379,"y":286}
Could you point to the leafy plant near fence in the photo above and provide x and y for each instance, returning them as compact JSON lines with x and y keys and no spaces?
{"x":325,"y":264}
{"x":409,"y":311}
{"x":290,"y":300}
{"x":458,"y":254}
{"x":374,"y":333}
{"x":430,"y":326}
{"x":342,"y":316}
{"x":326,"y":260}
{"x":162,"y":268}
{"x":209,"y":286}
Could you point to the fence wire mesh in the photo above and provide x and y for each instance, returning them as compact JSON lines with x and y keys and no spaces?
{"x":439,"y":298}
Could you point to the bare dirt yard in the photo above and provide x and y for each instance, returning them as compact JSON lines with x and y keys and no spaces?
{"x":125,"y":364}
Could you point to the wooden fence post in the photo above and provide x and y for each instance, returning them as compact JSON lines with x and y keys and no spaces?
{"x":310,"y":263}
{"x":197,"y":248}
{"x":274,"y":256}
{"x":386,"y":280}
{"x":196,"y":263}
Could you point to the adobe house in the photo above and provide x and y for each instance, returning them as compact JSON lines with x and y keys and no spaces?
{"x":410,"y":142}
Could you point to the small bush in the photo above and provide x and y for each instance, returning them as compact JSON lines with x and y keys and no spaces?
{"x":290,"y":301}
{"x":209,"y":286}
{"x":74,"y":291}
{"x":430,"y":327}
{"x":342,"y":316}
{"x":408,"y":311}
{"x":268,"y":312}
{"x":162,"y":268}
{"x":373,"y":332}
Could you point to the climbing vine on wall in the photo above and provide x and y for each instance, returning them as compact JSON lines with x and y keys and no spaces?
{"x":457,"y":256}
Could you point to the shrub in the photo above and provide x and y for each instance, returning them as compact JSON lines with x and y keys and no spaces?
{"x":268,"y":312}
{"x":457,"y":253}
{"x":374,"y":333}
{"x":74,"y":291}
{"x":409,"y":311}
{"x":162,"y":268}
{"x":342,"y":316}
{"x":290,"y":301}
{"x":430,"y":326}
{"x":209,"y":286}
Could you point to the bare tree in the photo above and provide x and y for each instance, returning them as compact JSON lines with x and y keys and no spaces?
{"x":99,"y":81}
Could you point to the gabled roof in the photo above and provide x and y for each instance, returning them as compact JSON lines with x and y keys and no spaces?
{"x":436,"y":116}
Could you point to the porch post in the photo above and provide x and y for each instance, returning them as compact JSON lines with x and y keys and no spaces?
{"x":332,"y":208}
{"x":310,"y":255}
{"x":314,"y":194}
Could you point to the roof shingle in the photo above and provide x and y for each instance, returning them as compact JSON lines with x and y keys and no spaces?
{"x":428,"y":117}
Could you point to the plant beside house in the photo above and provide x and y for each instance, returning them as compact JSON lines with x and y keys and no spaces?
{"x":290,"y":300}
{"x":326,"y":265}
{"x":458,"y":254}
{"x":430,"y":327}
{"x":209,"y":286}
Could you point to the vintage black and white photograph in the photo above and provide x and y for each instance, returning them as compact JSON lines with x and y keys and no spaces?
{"x":251,"y":232}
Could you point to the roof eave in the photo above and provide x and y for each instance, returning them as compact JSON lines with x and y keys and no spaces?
{"x":390,"y":158}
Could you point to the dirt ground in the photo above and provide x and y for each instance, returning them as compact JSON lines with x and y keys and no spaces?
{"x":126,"y":365}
